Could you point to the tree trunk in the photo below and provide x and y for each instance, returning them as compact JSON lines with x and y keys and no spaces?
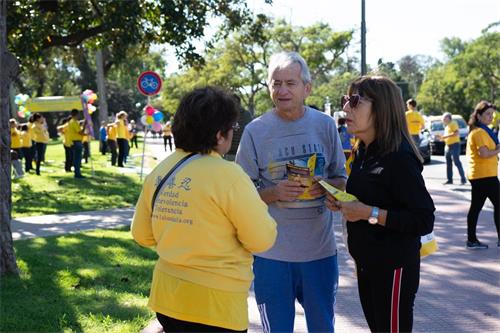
{"x":9,"y":68}
{"x":101,"y":89}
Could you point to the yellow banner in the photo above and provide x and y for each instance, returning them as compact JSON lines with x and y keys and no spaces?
{"x":54,"y":104}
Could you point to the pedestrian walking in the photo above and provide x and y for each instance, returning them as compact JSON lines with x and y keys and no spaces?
{"x":204,"y":217}
{"x":133,"y":134}
{"x":285,"y":151}
{"x":451,"y":139}
{"x":393,"y":208}
{"x":482,"y":152}
{"x":111,"y":142}
{"x":26,"y":147}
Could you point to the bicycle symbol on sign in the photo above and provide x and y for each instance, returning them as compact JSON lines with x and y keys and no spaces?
{"x":149,"y":83}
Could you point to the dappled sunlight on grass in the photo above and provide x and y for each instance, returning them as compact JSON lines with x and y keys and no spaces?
{"x":56,"y":191}
{"x":79,"y":283}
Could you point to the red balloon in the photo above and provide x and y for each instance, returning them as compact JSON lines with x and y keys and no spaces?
{"x":149,"y":110}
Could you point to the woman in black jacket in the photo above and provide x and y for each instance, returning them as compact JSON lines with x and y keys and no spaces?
{"x":393,"y":209}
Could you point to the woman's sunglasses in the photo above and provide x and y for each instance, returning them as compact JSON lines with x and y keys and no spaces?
{"x":353,"y":100}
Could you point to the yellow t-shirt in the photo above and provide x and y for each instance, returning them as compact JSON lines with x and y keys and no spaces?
{"x":415,"y":122}
{"x":121,"y":129}
{"x":74,"y":130}
{"x":26,"y":139}
{"x":480,"y":167}
{"x":207,"y":222}
{"x":167,"y":130}
{"x":15,"y":138}
{"x":112,"y":133}
{"x":40,"y":133}
{"x":66,"y":139}
{"x":450,"y":128}
{"x":85,"y":138}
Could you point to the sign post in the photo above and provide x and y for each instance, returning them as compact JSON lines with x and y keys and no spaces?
{"x":149,"y":84}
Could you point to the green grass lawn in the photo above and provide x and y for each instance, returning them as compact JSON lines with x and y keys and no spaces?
{"x":56,"y":191}
{"x":88,"y":282}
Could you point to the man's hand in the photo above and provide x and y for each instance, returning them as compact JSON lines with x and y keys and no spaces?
{"x":287,"y":190}
{"x":316,"y":190}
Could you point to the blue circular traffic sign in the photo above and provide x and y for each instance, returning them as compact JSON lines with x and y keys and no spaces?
{"x":149,"y":83}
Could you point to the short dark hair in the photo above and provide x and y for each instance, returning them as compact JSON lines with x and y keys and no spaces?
{"x":412,"y":102}
{"x":36,"y":116}
{"x":74,"y":112}
{"x":200,"y":115}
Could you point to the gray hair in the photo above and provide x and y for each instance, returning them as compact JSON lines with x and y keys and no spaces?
{"x":285,"y":59}
{"x":447,"y":115}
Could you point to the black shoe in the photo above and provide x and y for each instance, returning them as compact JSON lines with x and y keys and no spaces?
{"x":448,"y":182}
{"x":477,"y":245}
{"x":80,"y":177}
{"x":463,"y":182}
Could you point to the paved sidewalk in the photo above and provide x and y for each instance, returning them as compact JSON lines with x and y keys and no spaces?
{"x":459,"y":289}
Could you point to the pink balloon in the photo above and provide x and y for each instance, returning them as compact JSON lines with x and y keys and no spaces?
{"x":149,"y":110}
{"x":156,"y":126}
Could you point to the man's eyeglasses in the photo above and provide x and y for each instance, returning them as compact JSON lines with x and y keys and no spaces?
{"x":353,"y":100}
{"x":236,"y":127}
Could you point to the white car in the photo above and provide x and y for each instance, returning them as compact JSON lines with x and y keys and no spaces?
{"x":434,"y":125}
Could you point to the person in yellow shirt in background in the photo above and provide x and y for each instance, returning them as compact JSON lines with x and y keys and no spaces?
{"x":482,"y":152}
{"x":451,"y":139}
{"x":414,"y":120}
{"x":40,"y":136}
{"x":121,"y":136}
{"x":68,"y":152}
{"x":111,"y":141}
{"x":26,"y":147}
{"x":15,"y":137}
{"x":204,"y":220}
{"x":15,"y":149}
{"x":75,"y":134}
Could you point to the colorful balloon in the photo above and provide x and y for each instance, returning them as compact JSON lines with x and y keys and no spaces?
{"x":158,"y":115}
{"x":143,"y":120}
{"x":149,"y":120}
{"x":21,"y":114}
{"x":17,"y":99}
{"x":156,"y":127}
{"x":91,"y":108}
{"x":149,"y":110}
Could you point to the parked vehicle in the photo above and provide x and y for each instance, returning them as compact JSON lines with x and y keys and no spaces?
{"x":425,"y":147}
{"x":434,"y":125}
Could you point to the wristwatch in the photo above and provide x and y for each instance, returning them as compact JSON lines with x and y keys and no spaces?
{"x":373,"y":219}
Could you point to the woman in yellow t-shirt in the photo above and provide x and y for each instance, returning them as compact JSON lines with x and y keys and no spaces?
{"x":482,"y":152}
{"x":111,"y":142}
{"x":26,"y":147}
{"x":204,"y":221}
{"x":41,"y":138}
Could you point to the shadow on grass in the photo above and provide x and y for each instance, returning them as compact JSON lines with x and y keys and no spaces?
{"x":78,"y":282}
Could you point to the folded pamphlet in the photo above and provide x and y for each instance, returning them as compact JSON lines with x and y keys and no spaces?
{"x":337,"y":194}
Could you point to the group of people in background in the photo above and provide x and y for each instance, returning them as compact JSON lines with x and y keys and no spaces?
{"x":29,"y":142}
{"x":482,"y":152}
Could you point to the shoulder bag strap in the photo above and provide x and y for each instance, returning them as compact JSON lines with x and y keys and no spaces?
{"x":158,"y":188}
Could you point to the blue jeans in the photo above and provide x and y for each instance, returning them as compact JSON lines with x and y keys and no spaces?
{"x":77,"y":157}
{"x":453,"y":152}
{"x":279,"y":283}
